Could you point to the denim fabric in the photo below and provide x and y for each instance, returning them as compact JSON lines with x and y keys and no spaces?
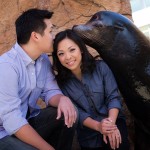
{"x":94,"y":95}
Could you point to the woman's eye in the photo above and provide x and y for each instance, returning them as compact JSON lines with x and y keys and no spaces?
{"x":73,"y":49}
{"x":60,"y":54}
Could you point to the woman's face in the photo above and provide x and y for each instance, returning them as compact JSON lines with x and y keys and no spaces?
{"x":69,"y":55}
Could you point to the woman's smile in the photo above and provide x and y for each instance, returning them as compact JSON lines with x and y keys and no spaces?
{"x":69,"y":54}
{"x":70,"y":63}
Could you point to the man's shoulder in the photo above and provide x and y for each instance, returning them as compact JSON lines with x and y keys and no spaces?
{"x":9,"y":56}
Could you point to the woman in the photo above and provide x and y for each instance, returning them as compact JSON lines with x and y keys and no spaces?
{"x":91,"y":86}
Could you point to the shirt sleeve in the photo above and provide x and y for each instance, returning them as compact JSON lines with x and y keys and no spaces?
{"x":113,"y":98}
{"x":82,"y":116}
{"x":10,"y":113}
{"x":51,"y":87}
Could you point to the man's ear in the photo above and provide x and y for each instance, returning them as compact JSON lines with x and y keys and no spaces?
{"x":35,"y":35}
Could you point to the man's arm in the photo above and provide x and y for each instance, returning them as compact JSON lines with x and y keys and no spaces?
{"x":10,"y":112}
{"x":54,"y":97}
{"x":28,"y":135}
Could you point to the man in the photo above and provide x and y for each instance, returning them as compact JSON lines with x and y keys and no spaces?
{"x":25,"y":76}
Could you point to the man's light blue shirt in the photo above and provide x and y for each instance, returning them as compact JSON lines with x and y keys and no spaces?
{"x":22,"y":82}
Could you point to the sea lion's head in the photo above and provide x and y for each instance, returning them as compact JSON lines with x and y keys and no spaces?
{"x":101,"y":30}
{"x":113,"y":33}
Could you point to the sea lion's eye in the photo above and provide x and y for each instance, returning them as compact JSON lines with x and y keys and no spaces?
{"x":95,"y":17}
{"x":96,"y":25}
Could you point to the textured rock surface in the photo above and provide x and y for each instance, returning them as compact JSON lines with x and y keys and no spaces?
{"x":66,"y":14}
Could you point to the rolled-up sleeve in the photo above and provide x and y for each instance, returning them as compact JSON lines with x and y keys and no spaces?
{"x":51,"y":87}
{"x":82,"y":116}
{"x":113,"y":98}
{"x":10,"y":113}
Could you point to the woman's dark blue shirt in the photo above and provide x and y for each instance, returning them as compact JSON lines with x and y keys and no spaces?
{"x":94,"y":95}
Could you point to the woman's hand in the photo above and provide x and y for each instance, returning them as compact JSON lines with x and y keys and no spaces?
{"x":106,"y":126}
{"x":114,"y":139}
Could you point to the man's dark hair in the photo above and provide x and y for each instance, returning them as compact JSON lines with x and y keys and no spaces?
{"x":88,"y":62}
{"x":31,"y":20}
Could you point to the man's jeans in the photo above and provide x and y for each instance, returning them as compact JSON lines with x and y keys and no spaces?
{"x":53,"y":131}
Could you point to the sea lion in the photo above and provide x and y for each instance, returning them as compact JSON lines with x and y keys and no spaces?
{"x":127,"y":52}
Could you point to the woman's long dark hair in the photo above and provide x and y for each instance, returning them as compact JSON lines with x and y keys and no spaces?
{"x":87,"y":64}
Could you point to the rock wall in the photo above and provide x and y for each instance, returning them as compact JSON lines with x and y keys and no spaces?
{"x":66,"y":14}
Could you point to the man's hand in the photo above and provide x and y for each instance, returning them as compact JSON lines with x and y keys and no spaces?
{"x":66,"y":107}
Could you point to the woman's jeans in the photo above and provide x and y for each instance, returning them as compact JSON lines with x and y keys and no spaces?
{"x":52,"y":130}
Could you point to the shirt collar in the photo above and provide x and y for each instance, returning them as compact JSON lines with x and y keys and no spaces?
{"x":27,"y":60}
{"x":25,"y":57}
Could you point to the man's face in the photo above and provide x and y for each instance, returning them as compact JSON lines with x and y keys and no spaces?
{"x":46,"y":40}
